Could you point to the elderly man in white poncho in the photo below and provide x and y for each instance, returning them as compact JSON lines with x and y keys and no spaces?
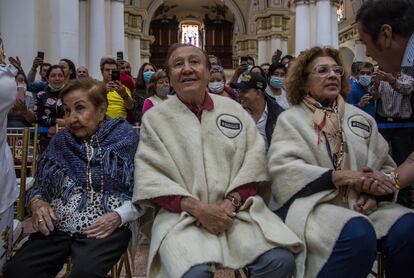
{"x":327,"y":160}
{"x":201,"y":159}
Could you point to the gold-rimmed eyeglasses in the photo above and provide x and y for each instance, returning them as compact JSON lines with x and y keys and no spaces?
{"x":324,"y":70}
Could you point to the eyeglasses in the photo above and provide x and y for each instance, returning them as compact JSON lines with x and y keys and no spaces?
{"x":324,"y":70}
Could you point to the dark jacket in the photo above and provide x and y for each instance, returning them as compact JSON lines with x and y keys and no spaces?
{"x":273,"y":112}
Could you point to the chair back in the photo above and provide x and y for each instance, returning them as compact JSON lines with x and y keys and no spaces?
{"x":23,"y":145}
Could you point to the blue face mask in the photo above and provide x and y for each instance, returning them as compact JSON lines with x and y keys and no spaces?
{"x":276,"y":82}
{"x":365,"y":80}
{"x":147,"y":76}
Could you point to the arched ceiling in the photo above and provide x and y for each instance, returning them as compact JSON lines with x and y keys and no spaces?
{"x":195,"y":9}
{"x":187,"y":9}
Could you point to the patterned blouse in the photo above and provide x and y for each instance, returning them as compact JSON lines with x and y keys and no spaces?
{"x":48,"y":107}
{"x":72,"y":221}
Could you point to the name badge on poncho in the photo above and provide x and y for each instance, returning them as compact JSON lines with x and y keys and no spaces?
{"x":229,"y":125}
{"x":359,"y":125}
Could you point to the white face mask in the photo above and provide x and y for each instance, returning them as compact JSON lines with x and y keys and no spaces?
{"x":163,"y":91}
{"x":216,"y":87}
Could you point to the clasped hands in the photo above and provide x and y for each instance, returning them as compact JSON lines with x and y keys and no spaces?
{"x":215,"y":218}
{"x":368,"y":181}
{"x":44,"y":217}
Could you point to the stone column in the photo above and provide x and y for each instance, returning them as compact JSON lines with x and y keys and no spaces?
{"x":135,"y":55}
{"x":261,"y":53}
{"x":323,"y":23}
{"x":312,"y":22}
{"x":65,"y":30}
{"x":117,"y":26}
{"x":284,"y":47}
{"x":18,"y":26}
{"x":274,"y":45}
{"x":360,"y":51}
{"x":334,"y":24}
{"x":302,"y":26}
{"x":126,"y":47}
{"x":97,"y":37}
{"x":83,"y":34}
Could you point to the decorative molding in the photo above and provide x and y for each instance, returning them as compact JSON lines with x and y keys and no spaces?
{"x":272,"y":22}
{"x":245,"y":45}
{"x":133,"y":18}
{"x":348,"y":33}
{"x":300,"y":2}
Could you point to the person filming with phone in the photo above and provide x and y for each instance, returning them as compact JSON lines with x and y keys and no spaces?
{"x":359,"y":95}
{"x":119,"y":96}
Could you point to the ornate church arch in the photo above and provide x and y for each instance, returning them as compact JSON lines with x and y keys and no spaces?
{"x":234,"y":8}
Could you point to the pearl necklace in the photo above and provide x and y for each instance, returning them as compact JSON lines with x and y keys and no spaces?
{"x":89,"y":155}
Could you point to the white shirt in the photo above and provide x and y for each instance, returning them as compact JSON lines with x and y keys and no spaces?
{"x":280,"y":99}
{"x":8,"y":184}
{"x":261,"y":126}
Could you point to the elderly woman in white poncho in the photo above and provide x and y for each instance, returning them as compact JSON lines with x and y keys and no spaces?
{"x":201,"y":159}
{"x":327,"y":161}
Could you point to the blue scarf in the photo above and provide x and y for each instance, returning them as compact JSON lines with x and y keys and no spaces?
{"x":65,"y":156}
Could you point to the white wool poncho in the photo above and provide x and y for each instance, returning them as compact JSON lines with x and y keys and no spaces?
{"x":295,"y":159}
{"x":178,"y":155}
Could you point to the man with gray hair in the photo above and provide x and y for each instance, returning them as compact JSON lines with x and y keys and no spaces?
{"x":119,"y":96}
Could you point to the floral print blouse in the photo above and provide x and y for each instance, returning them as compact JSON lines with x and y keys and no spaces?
{"x":48,"y":107}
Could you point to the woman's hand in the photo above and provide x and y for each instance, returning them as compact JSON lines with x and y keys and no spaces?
{"x":15,"y":62}
{"x":375,"y":183}
{"x":103,"y":226}
{"x":347,"y":178}
{"x":20,"y":105}
{"x":43,"y":216}
{"x":365,"y":204}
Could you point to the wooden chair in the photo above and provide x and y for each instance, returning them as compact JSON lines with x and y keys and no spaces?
{"x":126,"y":261}
{"x":23,"y":146}
{"x":380,"y":266}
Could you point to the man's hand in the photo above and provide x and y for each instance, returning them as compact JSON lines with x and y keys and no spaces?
{"x":215,"y":218}
{"x":212,"y":217}
{"x":37,"y":62}
{"x":120,"y":89}
{"x":227,"y":206}
{"x":364,"y":100}
{"x":385,"y":76}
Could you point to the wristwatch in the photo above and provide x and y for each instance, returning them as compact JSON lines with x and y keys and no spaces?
{"x":234,"y":201}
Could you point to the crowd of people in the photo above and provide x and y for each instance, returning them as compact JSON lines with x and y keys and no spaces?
{"x":292,"y":168}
